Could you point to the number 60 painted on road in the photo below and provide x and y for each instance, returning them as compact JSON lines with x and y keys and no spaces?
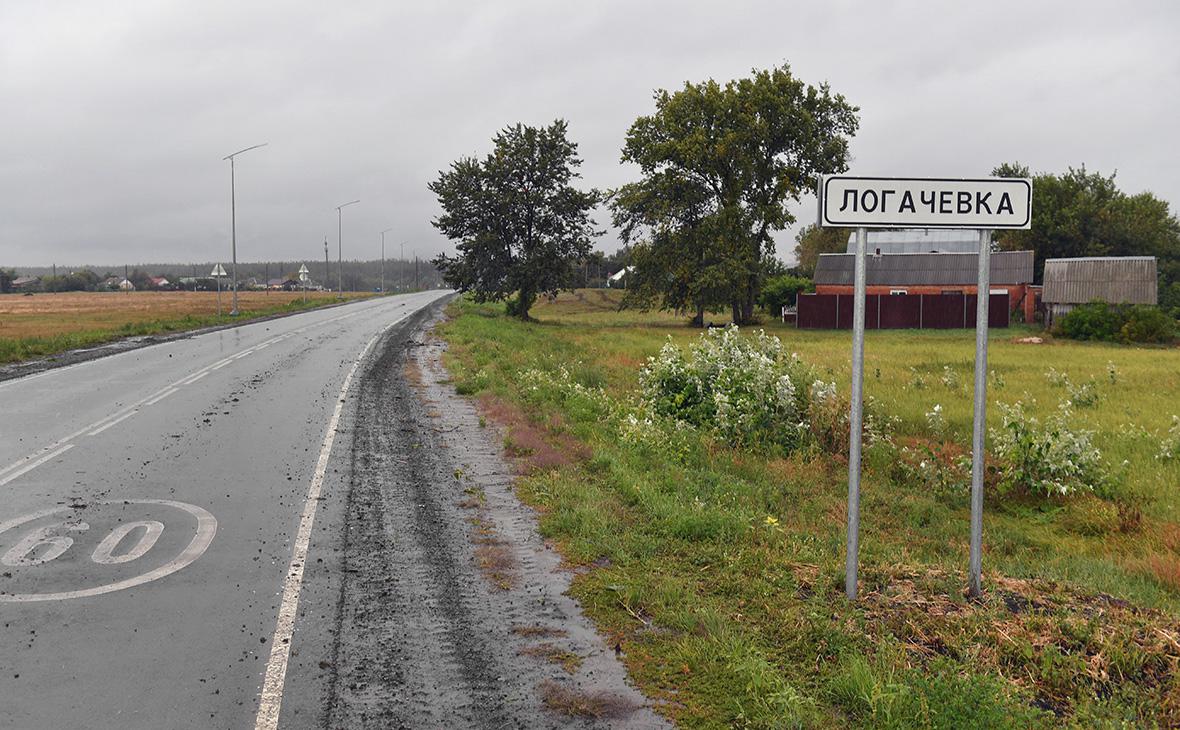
{"x":22,"y":553}
{"x":45,"y":544}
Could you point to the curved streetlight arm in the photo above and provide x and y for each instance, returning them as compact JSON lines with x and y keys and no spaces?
{"x":235,"y":154}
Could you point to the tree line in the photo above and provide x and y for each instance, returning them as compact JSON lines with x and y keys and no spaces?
{"x":718,"y":165}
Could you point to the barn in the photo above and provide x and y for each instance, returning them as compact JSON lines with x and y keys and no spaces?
{"x":1111,"y":279}
{"x":892,"y":274}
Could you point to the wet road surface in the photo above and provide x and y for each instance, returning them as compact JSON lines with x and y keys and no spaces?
{"x":272,"y":526}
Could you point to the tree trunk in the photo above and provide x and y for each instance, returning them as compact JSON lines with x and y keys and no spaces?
{"x":524,"y":303}
{"x":699,"y":319}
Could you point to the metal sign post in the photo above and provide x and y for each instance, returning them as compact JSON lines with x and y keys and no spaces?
{"x":884,"y":202}
{"x":978,"y":433}
{"x":303,"y":272}
{"x":856,"y":416}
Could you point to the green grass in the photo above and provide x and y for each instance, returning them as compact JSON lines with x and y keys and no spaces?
{"x":720,"y":570}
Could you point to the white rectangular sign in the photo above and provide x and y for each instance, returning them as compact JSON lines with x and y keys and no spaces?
{"x":890,"y":202}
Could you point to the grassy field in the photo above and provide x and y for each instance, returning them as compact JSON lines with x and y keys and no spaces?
{"x":720,"y":569}
{"x":46,"y":324}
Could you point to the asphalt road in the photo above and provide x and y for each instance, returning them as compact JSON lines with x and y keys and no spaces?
{"x":153,"y":510}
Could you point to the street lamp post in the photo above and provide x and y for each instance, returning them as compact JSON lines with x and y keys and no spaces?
{"x":387,"y":230}
{"x":233,"y":221}
{"x":327,"y":273}
{"x":340,"y":248}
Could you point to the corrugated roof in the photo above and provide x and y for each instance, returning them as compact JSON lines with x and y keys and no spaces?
{"x":1114,"y":279}
{"x":925,"y":269}
{"x":919,"y":240}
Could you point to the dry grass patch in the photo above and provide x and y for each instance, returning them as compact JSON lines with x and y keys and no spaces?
{"x":554,"y":654}
{"x":575,"y":703}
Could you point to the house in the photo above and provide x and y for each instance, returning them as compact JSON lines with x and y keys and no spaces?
{"x":159,"y":282}
{"x":126,"y":285}
{"x":932,"y":273}
{"x":1112,"y":279}
{"x":618,"y":280}
{"x":26,"y":283}
{"x":111,"y":283}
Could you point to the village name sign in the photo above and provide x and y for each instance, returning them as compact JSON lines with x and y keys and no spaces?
{"x":984,"y":204}
{"x":881,"y":202}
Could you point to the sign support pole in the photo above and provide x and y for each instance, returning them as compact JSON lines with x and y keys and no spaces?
{"x":855,"y":417}
{"x":982,"y":297}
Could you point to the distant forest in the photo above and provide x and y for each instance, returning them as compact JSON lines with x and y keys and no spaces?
{"x":400,"y":275}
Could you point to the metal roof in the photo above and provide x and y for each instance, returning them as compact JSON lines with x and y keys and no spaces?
{"x":919,"y":240}
{"x":925,"y":269}
{"x":1114,"y":279}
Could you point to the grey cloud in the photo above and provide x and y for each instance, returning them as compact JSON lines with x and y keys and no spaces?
{"x":116,"y":115}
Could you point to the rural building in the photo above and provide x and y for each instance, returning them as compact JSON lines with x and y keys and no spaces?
{"x":26,"y":283}
{"x":932,"y":273}
{"x":618,"y":280}
{"x":159,"y":282}
{"x":126,"y":285}
{"x":1113,"y":279}
{"x":111,"y":283}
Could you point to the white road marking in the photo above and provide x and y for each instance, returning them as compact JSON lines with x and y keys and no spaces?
{"x":194,"y":378}
{"x":206,"y":529}
{"x":161,"y":396}
{"x":271,"y":699}
{"x":34,"y":464}
{"x":107,"y":425}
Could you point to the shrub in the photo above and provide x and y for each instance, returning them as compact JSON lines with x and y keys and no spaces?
{"x":781,"y":291}
{"x":747,"y":391}
{"x":1050,"y":459}
{"x":1147,"y":324}
{"x":1093,"y":321}
{"x":1122,"y":323}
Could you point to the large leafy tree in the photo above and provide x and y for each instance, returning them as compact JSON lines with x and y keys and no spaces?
{"x":519,"y":225}
{"x":723,"y":163}
{"x":1081,"y":213}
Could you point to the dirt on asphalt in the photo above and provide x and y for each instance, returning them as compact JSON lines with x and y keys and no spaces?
{"x":453,"y":612}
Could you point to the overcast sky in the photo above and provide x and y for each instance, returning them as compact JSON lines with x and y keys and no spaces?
{"x":115,"y":116}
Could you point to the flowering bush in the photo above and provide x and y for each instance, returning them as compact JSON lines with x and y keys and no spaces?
{"x":746,"y":390}
{"x":935,"y":420}
{"x":1170,"y":444}
{"x":1051,"y":459}
{"x":1084,"y":395}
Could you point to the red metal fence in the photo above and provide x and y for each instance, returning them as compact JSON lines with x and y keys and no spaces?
{"x":900,"y":311}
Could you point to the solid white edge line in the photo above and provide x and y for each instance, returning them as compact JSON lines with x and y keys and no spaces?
{"x":29,"y":467}
{"x":271,"y":697}
{"x":120,"y":419}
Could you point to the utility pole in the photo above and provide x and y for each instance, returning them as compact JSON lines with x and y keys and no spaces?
{"x":387,"y":230}
{"x":401,"y":265}
{"x":340,"y":247}
{"x":233,"y":221}
{"x":327,"y":273}
{"x":415,"y":272}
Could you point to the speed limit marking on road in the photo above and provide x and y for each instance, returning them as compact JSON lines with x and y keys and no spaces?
{"x":117,"y":545}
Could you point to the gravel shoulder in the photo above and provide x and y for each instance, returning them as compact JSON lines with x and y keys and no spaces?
{"x":453,"y":612}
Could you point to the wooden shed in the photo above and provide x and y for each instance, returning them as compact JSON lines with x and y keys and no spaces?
{"x":1111,"y":279}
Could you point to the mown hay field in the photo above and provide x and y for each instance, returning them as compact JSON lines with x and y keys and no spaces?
{"x":46,"y":323}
